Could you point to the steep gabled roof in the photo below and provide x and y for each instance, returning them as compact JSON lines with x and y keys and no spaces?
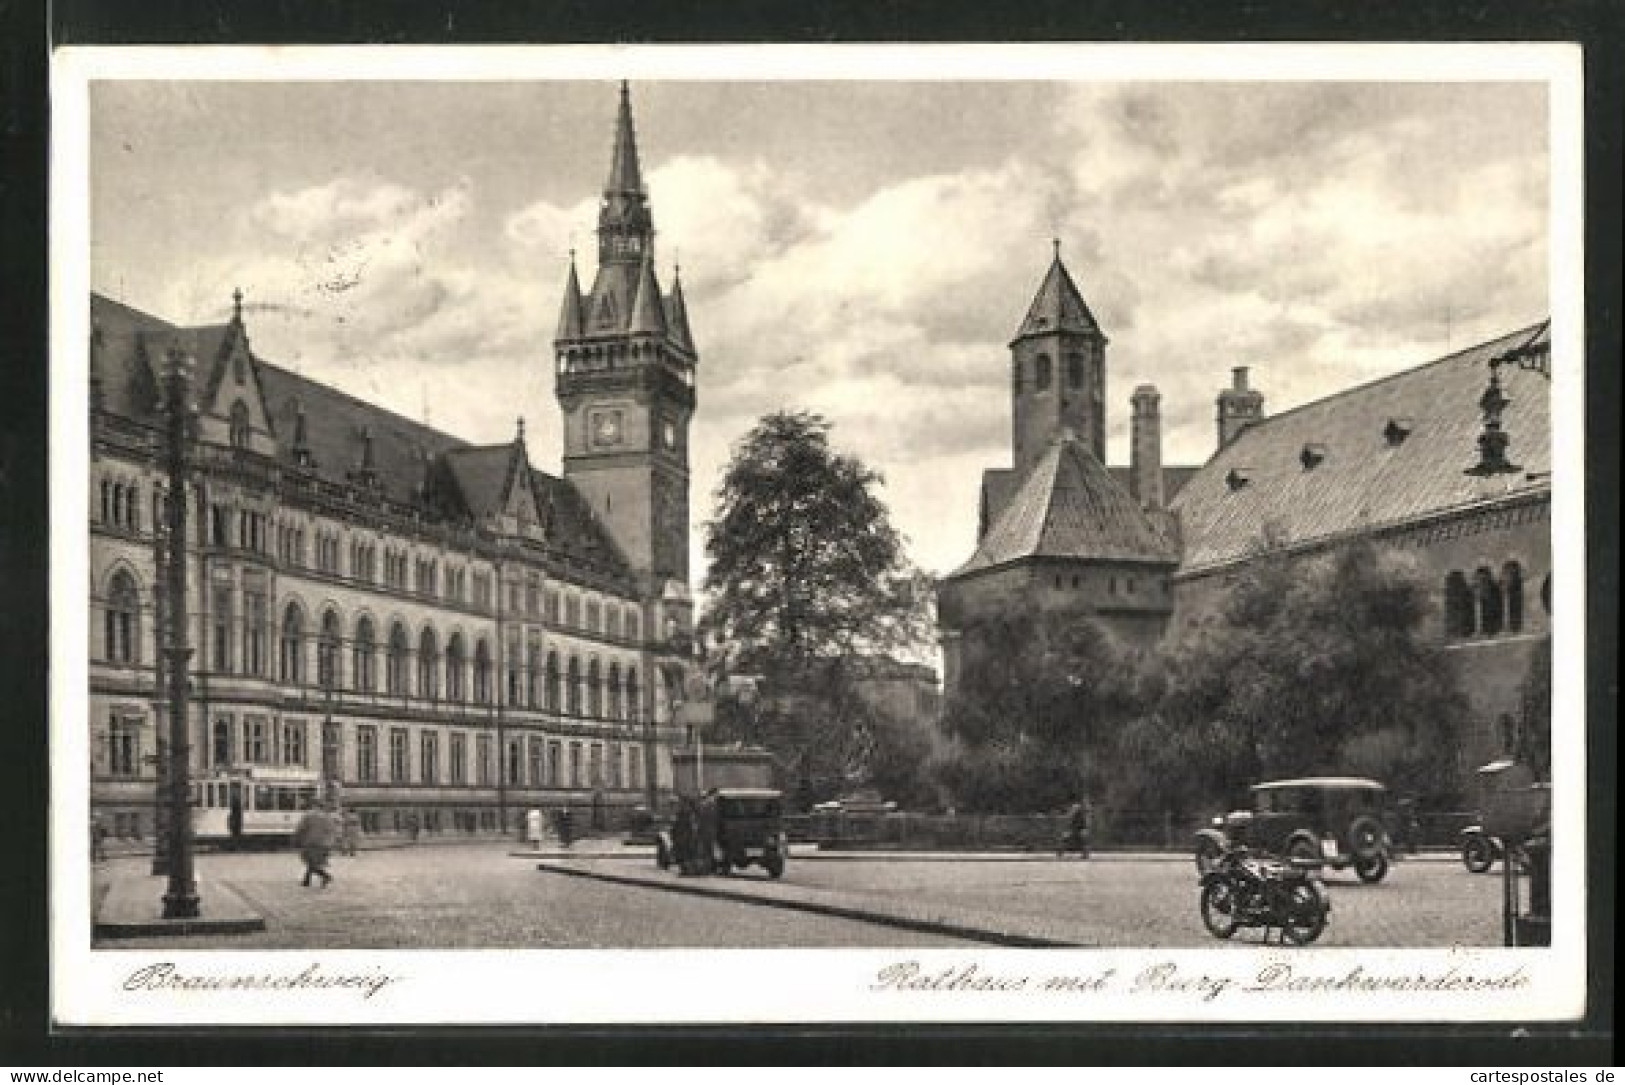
{"x":1058,"y":306}
{"x":1069,"y":506}
{"x":481,"y":476}
{"x":1380,"y":454}
{"x":677,"y":315}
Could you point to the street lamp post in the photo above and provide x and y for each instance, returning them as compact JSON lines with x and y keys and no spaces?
{"x":180,"y":899}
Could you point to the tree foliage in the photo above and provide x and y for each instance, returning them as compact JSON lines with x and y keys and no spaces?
{"x":1310,"y":666}
{"x":1040,"y":692}
{"x":806,"y":578}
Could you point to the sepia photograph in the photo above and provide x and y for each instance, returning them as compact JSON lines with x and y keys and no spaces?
{"x":1074,"y":533}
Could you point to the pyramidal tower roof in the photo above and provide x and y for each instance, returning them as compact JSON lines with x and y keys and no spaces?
{"x":1058,"y":305}
{"x":1070,"y":506}
{"x":677,"y":314}
{"x":648,"y":312}
{"x":570,"y":309}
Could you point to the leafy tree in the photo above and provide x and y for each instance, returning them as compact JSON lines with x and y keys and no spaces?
{"x":806,"y":576}
{"x":1311,"y":666}
{"x":1040,"y":691}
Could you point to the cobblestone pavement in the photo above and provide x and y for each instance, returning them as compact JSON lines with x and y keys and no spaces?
{"x":482,"y":896}
{"x":479,"y":896}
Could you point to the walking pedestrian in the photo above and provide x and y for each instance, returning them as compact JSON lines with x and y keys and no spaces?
{"x":708,"y":832}
{"x":314,"y":837}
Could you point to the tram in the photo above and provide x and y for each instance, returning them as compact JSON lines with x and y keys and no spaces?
{"x":253,"y":805}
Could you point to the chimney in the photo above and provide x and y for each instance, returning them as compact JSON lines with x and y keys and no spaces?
{"x":1145,"y":448}
{"x":1239,"y":406}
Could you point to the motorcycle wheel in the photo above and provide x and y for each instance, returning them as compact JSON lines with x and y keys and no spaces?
{"x":1477,"y":854}
{"x":1305,"y":914}
{"x":1207,"y":856}
{"x":1371,"y":868}
{"x":1219,"y":906}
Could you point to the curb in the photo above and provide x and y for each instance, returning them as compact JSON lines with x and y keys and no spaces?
{"x":838,"y":911}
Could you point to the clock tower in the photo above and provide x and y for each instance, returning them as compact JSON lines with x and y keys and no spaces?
{"x":624,"y":376}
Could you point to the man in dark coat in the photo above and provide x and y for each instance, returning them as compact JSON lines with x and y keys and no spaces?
{"x":315,"y":836}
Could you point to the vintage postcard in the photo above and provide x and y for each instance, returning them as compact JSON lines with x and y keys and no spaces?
{"x":678,"y":535}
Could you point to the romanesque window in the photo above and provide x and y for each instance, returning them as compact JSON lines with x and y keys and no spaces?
{"x":1512,"y":585}
{"x":634,"y":704}
{"x":256,"y":632}
{"x":327,"y":651}
{"x":332,"y":743}
{"x":120,"y":621}
{"x":363,"y":671}
{"x":614,"y":686}
{"x":395,"y":664}
{"x":595,"y":691}
{"x":1491,"y":616}
{"x":1459,"y":618}
{"x":455,"y":663}
{"x":293,"y":634}
{"x":1041,"y":373}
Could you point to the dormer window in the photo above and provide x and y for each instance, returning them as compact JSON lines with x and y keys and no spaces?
{"x":1238,"y":478}
{"x":1312,"y":455}
{"x":1396,"y":431}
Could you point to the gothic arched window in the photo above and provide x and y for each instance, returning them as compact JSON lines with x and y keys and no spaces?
{"x":327,"y":651}
{"x":363,"y":674}
{"x":455,"y":663}
{"x":123,"y":607}
{"x":1490,"y":613}
{"x":239,"y":425}
{"x":1041,"y":373}
{"x":293,"y":636}
{"x":533,"y":675}
{"x":613,"y":684}
{"x":551,"y":687}
{"x":1458,"y":606}
{"x":595,"y":691}
{"x":395,"y":664}
{"x":1512,"y":585}
{"x":572,"y":687}
{"x":428,"y":664}
{"x":634,"y":703}
{"x":482,"y":673}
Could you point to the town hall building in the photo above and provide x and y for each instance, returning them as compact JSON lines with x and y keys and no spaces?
{"x":435,"y":630}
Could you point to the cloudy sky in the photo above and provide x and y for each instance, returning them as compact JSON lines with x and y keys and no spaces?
{"x":862,"y":249}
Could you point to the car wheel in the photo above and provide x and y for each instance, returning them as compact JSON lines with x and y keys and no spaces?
{"x":1477,"y":854}
{"x":1219,"y":909}
{"x":1207,"y":856}
{"x":774,"y":862}
{"x":1303,"y":851}
{"x":1305,"y":914}
{"x":1371,"y":868}
{"x":1366,"y":836}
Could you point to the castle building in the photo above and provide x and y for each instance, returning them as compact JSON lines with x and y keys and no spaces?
{"x":442,"y":633}
{"x":1059,"y":527}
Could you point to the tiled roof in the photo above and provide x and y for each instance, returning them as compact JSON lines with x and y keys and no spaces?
{"x":999,"y":483}
{"x":1376,"y":455}
{"x":1058,"y":305}
{"x":481,"y":476}
{"x":1069,"y":506}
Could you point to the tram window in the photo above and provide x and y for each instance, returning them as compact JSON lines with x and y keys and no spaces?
{"x":263,"y":799}
{"x":306,"y":797}
{"x":236,"y":796}
{"x":287,"y":798}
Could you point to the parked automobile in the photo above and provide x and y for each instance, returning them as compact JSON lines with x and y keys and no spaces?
{"x":748,"y":830}
{"x":1334,"y":821}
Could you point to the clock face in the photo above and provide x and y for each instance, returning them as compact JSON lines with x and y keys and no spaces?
{"x":606,"y":428}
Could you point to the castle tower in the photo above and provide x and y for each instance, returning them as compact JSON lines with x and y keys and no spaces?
{"x":625,"y":378}
{"x":1145,"y":448}
{"x":1057,"y":371}
{"x":1239,"y":406}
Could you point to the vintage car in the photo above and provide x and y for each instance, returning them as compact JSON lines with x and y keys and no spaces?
{"x":749,"y":830}
{"x":1335,"y":821}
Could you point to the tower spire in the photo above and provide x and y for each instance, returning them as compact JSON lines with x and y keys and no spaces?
{"x":625,"y":177}
{"x":625,"y":229}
